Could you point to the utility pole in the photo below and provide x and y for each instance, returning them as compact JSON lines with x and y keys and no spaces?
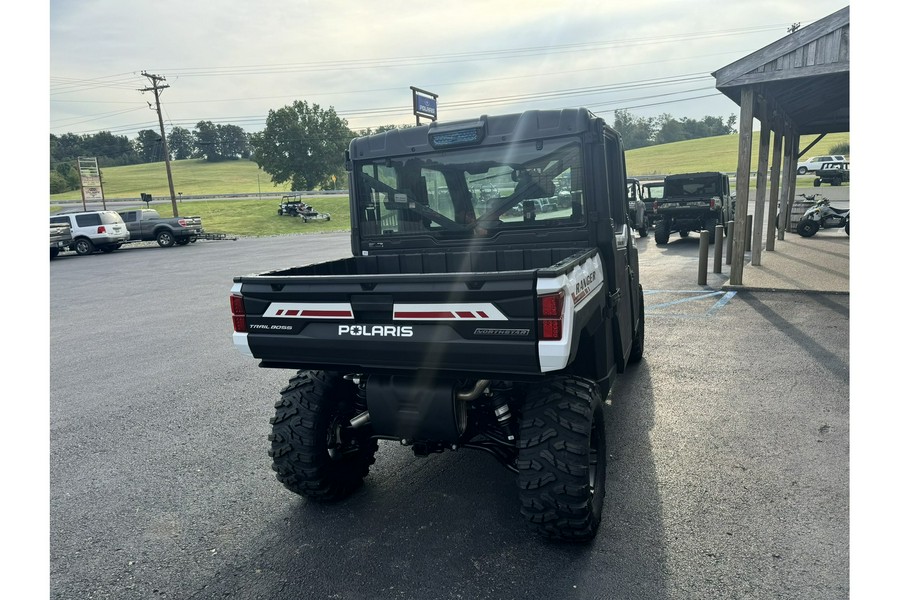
{"x":156,"y":88}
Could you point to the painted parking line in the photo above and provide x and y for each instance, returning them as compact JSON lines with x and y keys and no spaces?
{"x":697,"y":304}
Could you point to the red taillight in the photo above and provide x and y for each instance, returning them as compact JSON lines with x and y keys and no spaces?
{"x":550,"y":311}
{"x":101,"y":229}
{"x":655,"y":206}
{"x":712,"y":203}
{"x":182,"y":222}
{"x":238,"y":314}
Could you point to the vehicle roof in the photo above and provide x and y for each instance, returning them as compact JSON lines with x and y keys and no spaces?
{"x":75,"y":211}
{"x":702,"y":174}
{"x":499,"y":129}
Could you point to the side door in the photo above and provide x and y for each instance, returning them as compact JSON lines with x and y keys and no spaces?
{"x":131,"y":223}
{"x":623,"y":290}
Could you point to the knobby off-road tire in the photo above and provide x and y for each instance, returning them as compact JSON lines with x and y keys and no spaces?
{"x":661,"y":233}
{"x":312,"y":452}
{"x":637,"y":344}
{"x":807,"y":228}
{"x":562,"y":459}
{"x":645,"y":227}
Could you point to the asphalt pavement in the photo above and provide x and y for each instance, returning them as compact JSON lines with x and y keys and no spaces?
{"x":728,"y":449}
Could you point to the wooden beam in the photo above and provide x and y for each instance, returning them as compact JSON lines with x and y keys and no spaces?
{"x":776,"y":181}
{"x":745,"y":146}
{"x":762,"y":172}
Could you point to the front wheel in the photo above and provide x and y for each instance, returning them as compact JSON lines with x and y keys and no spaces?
{"x":315,"y":452}
{"x":165,"y":239}
{"x":807,"y":227}
{"x":562,"y":459}
{"x":801,"y":171}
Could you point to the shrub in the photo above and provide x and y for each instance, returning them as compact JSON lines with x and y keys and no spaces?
{"x":843,"y":148}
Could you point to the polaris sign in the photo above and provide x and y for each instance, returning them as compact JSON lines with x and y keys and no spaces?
{"x":424,"y":104}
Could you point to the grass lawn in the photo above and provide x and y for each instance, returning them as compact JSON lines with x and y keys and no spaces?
{"x":259,"y":217}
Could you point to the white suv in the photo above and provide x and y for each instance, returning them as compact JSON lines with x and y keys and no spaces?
{"x":100,"y":229}
{"x":815,"y":163}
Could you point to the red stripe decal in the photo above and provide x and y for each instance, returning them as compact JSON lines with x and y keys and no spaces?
{"x":291,"y":313}
{"x":465,"y":315}
{"x":423,"y":315}
{"x":327,"y":313}
{"x":482,"y":314}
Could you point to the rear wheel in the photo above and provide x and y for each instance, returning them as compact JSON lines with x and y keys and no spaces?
{"x":165,"y":239}
{"x":314,"y":450}
{"x":807,"y":227}
{"x":801,"y":171}
{"x":562,"y":459}
{"x":84,"y":246}
{"x":661,"y":233}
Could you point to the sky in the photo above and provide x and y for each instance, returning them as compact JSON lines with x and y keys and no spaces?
{"x":232,"y":62}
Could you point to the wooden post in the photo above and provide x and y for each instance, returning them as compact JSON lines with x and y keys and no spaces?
{"x":762,"y":175}
{"x":776,"y":182}
{"x":742,"y":185}
{"x":787,"y":161}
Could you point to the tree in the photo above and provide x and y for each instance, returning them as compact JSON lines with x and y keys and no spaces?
{"x":206,"y":137}
{"x":302,"y":144}
{"x":669,"y":130}
{"x":181,"y":143}
{"x":149,"y":145}
{"x":233,"y":142}
{"x":635,"y":132}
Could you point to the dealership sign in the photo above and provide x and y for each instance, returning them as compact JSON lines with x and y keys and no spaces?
{"x":424,"y":104}
{"x":91,"y":186}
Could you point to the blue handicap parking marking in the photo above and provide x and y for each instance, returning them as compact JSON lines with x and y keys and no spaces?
{"x":683,"y":303}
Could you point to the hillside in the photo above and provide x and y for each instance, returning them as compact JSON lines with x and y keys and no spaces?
{"x":198,"y":177}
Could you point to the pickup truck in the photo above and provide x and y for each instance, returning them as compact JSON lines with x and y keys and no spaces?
{"x":457,"y":323}
{"x":60,"y":238}
{"x":145,"y":225}
{"x":692,"y":202}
